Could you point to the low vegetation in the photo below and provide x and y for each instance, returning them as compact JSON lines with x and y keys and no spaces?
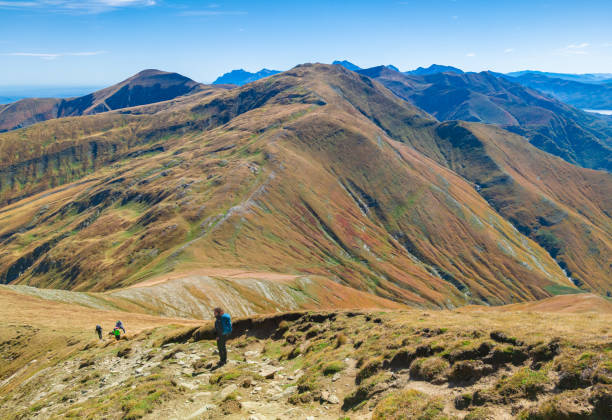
{"x":396,"y":365}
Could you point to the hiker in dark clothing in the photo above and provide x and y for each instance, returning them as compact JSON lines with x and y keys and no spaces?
{"x":119,"y":325}
{"x":99,"y":331}
{"x":223,"y":328}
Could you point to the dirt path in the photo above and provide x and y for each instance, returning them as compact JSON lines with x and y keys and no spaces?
{"x":232,"y":273}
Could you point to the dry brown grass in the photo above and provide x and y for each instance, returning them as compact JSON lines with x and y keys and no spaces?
{"x":356,"y":206}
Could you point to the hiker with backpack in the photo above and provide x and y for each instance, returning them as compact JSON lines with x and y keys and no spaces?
{"x":223,"y":328}
{"x":119,"y":325}
{"x":99,"y":331}
{"x":117,"y":333}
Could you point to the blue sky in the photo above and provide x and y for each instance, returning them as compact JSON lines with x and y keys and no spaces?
{"x":100,"y":42}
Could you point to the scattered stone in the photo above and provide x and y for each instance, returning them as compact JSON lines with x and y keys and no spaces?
{"x":188,"y":385}
{"x":329,"y":398}
{"x":283,"y":393}
{"x":228,"y":390}
{"x":336,"y":377}
{"x":199,"y":412}
{"x":268,"y":372}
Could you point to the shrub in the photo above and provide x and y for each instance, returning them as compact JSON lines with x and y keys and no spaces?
{"x":429,"y":369}
{"x":333,"y":367}
{"x":525,"y":383}
{"x":223,"y":377}
{"x":409,"y":404}
{"x":341,"y":340}
{"x":307,"y":382}
{"x":366,"y":390}
{"x":369,"y":369}
{"x":481,"y":413}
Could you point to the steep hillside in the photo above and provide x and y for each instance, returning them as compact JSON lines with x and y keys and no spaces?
{"x":28,"y":111}
{"x":146,"y":87}
{"x":561,"y":206}
{"x":550,"y":125}
{"x":313,"y":172}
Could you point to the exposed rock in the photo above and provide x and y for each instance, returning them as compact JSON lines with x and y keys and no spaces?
{"x":268,"y":372}
{"x":227,"y":391}
{"x":329,"y":398}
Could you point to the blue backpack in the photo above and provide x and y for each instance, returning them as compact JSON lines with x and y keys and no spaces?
{"x":226,"y":323}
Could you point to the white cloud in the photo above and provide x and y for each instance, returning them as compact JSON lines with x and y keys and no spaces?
{"x":18,"y":4}
{"x":83,"y":6}
{"x":509,"y":50}
{"x":53,"y":56}
{"x":574,"y":49}
{"x":471,"y":54}
{"x":578,"y":46}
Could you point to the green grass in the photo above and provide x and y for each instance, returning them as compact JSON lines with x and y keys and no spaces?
{"x":524,"y":383}
{"x":333,"y":367}
{"x":409,"y":404}
{"x":558,"y":289}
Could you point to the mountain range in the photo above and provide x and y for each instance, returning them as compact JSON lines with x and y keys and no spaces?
{"x":576,"y":136}
{"x":581,"y":92}
{"x":314,"y":179}
{"x":146,"y":87}
{"x":582,"y":78}
{"x":242,"y":77}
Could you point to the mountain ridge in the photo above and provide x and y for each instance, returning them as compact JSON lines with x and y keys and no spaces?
{"x":402,"y":245}
{"x":146,"y":87}
{"x":552,"y":126}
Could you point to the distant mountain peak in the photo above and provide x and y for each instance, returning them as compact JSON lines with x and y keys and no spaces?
{"x":242,"y":77}
{"x":149,"y":72}
{"x":145,"y":87}
{"x":347,"y":65}
{"x":435,"y":68}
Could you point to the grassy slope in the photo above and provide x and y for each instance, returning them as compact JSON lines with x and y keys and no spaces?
{"x":563,"y":207}
{"x":287,"y":175}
